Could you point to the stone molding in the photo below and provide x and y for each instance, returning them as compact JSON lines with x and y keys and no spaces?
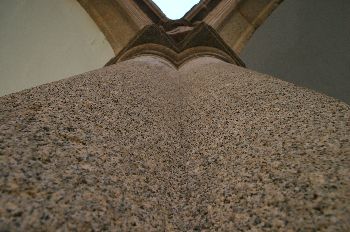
{"x":216,"y":17}
{"x":154,"y":13}
{"x":201,"y":10}
{"x":138,"y":15}
{"x":237,"y":20}
{"x":118,"y":20}
{"x":177,"y":59}
{"x":201,"y":40}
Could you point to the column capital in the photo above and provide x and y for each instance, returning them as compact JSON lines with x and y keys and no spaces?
{"x":178,"y":42}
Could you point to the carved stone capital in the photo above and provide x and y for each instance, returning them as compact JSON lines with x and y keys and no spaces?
{"x":178,"y":45}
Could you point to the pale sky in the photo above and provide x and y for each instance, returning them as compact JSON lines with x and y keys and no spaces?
{"x":175,"y":9}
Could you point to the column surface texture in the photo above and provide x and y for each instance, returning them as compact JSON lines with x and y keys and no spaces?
{"x":142,"y":146}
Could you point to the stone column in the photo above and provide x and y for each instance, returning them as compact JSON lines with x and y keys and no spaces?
{"x":144,"y":145}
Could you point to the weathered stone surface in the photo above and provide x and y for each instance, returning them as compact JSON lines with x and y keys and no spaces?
{"x":143,"y":146}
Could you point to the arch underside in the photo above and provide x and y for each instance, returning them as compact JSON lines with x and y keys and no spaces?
{"x":241,"y":22}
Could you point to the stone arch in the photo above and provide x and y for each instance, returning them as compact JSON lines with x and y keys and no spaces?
{"x":234,"y":20}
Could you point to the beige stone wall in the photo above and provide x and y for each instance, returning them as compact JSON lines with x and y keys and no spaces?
{"x":43,"y":41}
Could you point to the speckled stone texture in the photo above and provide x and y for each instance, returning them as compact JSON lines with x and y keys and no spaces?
{"x":141,"y":146}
